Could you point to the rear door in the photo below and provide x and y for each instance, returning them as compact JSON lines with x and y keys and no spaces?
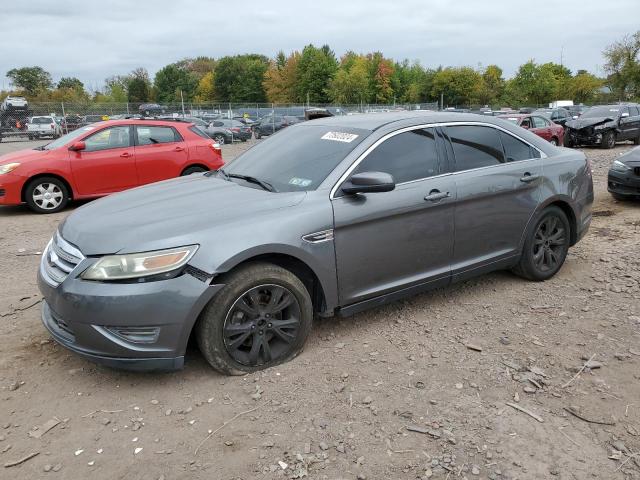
{"x":161,"y":153}
{"x":497,"y":180}
{"x":630,"y":124}
{"x":107,"y":164}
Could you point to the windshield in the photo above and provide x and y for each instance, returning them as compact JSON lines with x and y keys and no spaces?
{"x":544,"y":113}
{"x":595,"y":112}
{"x":297,"y":158}
{"x":69,"y":137}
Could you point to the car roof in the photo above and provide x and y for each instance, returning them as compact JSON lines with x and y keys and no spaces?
{"x":374,"y":121}
{"x":137,"y":121}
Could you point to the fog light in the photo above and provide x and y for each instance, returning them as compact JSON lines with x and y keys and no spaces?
{"x":136,"y":334}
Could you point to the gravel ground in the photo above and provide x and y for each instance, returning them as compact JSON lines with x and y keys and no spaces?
{"x":396,"y":392}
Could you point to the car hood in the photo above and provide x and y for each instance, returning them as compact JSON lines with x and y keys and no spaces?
{"x":579,"y":123}
{"x":631,"y":158}
{"x":23,"y":156}
{"x":167,"y":214}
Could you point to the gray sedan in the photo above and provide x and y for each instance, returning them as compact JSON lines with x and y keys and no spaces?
{"x":329,"y":217}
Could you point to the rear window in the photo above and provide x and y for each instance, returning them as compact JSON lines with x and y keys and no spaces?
{"x":199,"y":132}
{"x":516,"y":150}
{"x":149,"y":135}
{"x":475,"y":147}
{"x":41,"y":120}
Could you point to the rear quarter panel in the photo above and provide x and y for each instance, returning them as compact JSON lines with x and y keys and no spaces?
{"x":567,"y":178}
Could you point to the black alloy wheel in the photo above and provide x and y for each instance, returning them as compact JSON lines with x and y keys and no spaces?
{"x":262,"y":325}
{"x":550,"y":241}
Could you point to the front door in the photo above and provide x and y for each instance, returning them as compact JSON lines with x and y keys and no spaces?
{"x":498,"y":178}
{"x":402,"y":238}
{"x":107,"y":164}
{"x":161,"y":153}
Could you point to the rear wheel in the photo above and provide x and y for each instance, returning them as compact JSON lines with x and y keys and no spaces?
{"x":261,"y":318}
{"x":258,"y":135}
{"x":219,"y":139}
{"x":608,"y":140}
{"x":46,"y":195}
{"x":554,"y":141}
{"x":636,"y":141}
{"x":546,"y":246}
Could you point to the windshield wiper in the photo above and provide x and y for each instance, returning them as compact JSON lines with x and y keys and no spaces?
{"x":247,"y":178}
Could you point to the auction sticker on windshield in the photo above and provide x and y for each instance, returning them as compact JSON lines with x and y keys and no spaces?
{"x":340,"y":137}
{"x":300,"y":182}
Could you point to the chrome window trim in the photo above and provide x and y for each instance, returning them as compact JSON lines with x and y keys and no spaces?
{"x":363,"y":155}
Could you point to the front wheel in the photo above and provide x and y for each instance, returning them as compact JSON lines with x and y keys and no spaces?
{"x":546,"y":246}
{"x":192,"y":170}
{"x":608,"y":140}
{"x":257,"y":134}
{"x":261,"y":318}
{"x":46,"y":195}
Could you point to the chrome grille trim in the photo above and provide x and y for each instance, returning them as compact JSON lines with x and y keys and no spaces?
{"x":59,"y":259}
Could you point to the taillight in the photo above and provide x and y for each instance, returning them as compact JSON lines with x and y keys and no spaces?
{"x":235,"y":129}
{"x":215,"y":147}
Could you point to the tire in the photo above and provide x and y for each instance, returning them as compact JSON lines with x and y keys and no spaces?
{"x":568,"y":142}
{"x":258,"y":135}
{"x":219,"y":139}
{"x":30,"y":137}
{"x":192,"y":170}
{"x":243,"y":139}
{"x":233,"y":307}
{"x":554,"y":141}
{"x":37,"y":191}
{"x":608,"y":140}
{"x":618,"y":197}
{"x":636,"y":141}
{"x":533,"y":261}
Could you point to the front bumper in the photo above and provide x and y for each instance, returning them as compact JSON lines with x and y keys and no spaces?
{"x":626,"y":183}
{"x":584,"y":136}
{"x":11,"y":189}
{"x":88,"y":318}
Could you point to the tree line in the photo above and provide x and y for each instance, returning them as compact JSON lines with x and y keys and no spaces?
{"x":316,"y":75}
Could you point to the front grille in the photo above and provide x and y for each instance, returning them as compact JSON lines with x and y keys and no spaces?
{"x":58,"y":260}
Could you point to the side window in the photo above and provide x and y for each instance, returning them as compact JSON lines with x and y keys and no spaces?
{"x":407,"y":156}
{"x":113,"y":137}
{"x":526,"y":123}
{"x":475,"y":147}
{"x":218,"y":123}
{"x":539,"y":122}
{"x":516,"y":150}
{"x":634,"y":111}
{"x":148,"y":135}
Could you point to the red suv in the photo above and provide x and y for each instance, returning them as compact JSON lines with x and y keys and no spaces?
{"x":103,"y":158}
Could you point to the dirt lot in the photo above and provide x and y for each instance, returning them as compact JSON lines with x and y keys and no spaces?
{"x":342,"y":408}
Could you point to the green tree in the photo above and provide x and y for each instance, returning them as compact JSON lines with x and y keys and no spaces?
{"x":70,"y":83}
{"x":139,"y":86}
{"x":240,"y":78}
{"x":315,"y":70}
{"x":171,"y":80}
{"x":351,"y":83}
{"x":458,"y":85}
{"x":205,"y":92}
{"x":535,"y":84}
{"x":380,"y":78}
{"x":623,"y":66}
{"x":198,"y":66}
{"x":584,"y":87}
{"x":492,"y":85}
{"x":31,"y":79}
{"x":281,"y":78}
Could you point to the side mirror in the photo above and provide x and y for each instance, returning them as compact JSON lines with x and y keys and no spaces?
{"x":369,"y":182}
{"x":77,"y":146}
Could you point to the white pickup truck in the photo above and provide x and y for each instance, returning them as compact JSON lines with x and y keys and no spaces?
{"x":44,"y":126}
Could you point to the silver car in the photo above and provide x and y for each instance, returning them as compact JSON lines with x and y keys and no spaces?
{"x":328,"y":217}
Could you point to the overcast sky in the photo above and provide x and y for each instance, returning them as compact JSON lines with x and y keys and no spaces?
{"x":93,"y":40}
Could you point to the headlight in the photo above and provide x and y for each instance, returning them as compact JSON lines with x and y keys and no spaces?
{"x":618,"y":166}
{"x":136,"y":265}
{"x":9,"y":167}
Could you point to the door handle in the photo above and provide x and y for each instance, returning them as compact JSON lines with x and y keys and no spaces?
{"x":436,"y":195}
{"x":125,"y":154}
{"x":528,"y":178}
{"x":178,"y":149}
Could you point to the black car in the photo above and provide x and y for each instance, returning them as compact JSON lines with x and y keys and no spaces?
{"x":558,"y":115}
{"x":272,"y":123}
{"x":231,"y":129}
{"x":576,"y":110}
{"x":605,"y":125}
{"x":624,"y":176}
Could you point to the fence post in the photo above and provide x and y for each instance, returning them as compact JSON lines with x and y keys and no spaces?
{"x":64,"y":119}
